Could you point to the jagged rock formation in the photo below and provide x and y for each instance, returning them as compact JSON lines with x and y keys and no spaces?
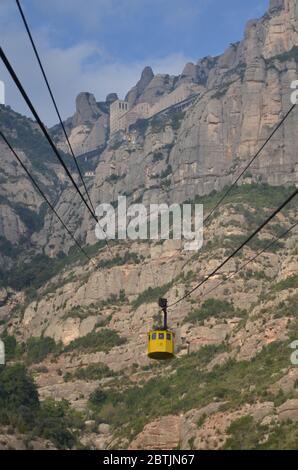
{"x":111,"y":97}
{"x":86,"y":109}
{"x":136,"y":92}
{"x":156,"y":435}
{"x":243,"y":95}
{"x":88,"y":128}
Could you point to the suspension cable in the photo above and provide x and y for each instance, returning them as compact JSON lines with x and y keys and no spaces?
{"x":251,"y":161}
{"x":237,"y":250}
{"x":53,"y":100}
{"x":273,"y":242}
{"x":44,"y":130}
{"x":34,"y":182}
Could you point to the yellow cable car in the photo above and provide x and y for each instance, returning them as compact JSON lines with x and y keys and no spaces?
{"x":161,"y":341}
{"x":161,"y":344}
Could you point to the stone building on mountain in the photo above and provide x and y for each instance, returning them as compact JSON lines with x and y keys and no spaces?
{"x":122,"y":115}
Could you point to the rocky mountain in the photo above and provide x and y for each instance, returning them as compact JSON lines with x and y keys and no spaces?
{"x":244,"y":93}
{"x":79,"y":330}
{"x":22,"y":209}
{"x":82,"y":333}
{"x":176,"y":156}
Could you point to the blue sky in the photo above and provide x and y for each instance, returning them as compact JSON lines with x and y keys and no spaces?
{"x":101,"y":46}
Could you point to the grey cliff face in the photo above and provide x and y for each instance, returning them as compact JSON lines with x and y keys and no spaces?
{"x":136,"y":92}
{"x":86,"y":109}
{"x":276,"y":4}
{"x":111,"y":97}
{"x":190,"y":73}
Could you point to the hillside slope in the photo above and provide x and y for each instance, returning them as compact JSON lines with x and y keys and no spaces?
{"x":83,"y":336}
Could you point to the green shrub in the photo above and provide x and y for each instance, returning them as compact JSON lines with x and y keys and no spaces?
{"x":39,"y":347}
{"x":246,"y":434}
{"x":17,"y":388}
{"x":110,"y":301}
{"x":157,"y":157}
{"x":257,"y":196}
{"x":191,"y":386}
{"x":128,"y":257}
{"x":158,"y":123}
{"x":289,"y":283}
{"x":21,"y":409}
{"x":97,"y":398}
{"x":168,"y":171}
{"x":141,"y":126}
{"x":41,"y":268}
{"x":76,"y":312}
{"x":256,"y":244}
{"x":176,"y":119}
{"x":103,"y":340}
{"x":285,"y":56}
{"x":30,"y":140}
{"x":8,"y":249}
{"x":243,"y":433}
{"x":214,"y":308}
{"x":113,"y":178}
{"x":13,"y":349}
{"x":56,"y":423}
{"x":33,"y":220}
{"x":91,"y":372}
{"x":287,"y":308}
{"x":150,"y":295}
{"x":10,"y":347}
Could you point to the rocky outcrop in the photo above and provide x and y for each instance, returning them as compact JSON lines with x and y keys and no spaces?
{"x":88,"y":128}
{"x":86,"y":109}
{"x":276,"y":5}
{"x":186,"y":432}
{"x":136,"y":92}
{"x":17,"y":441}
{"x":286,"y":383}
{"x":190,"y":73}
{"x":162,"y":434}
{"x":111,"y":97}
{"x":288,"y":411}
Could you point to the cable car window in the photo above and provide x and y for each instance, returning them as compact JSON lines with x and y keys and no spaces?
{"x":161,"y":336}
{"x":153,"y":335}
{"x":169,"y":336}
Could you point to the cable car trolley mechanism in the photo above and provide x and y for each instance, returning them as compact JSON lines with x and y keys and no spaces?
{"x":161,"y":341}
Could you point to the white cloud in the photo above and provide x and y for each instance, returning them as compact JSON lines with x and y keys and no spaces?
{"x":86,"y":65}
{"x":82,"y":67}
